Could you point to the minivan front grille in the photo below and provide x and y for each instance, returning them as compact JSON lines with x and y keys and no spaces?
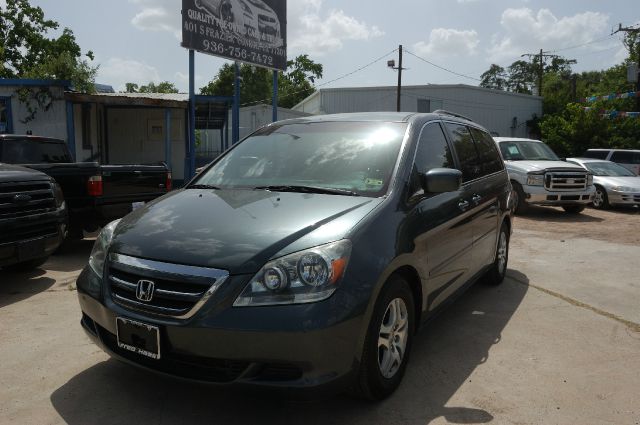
{"x":23,"y":199}
{"x":159,"y":288}
{"x":565,"y":181}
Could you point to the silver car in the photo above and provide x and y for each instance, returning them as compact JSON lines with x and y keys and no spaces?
{"x":615,"y":185}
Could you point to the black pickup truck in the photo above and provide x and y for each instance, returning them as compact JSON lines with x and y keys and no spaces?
{"x":33,"y":217}
{"x":95,"y":194}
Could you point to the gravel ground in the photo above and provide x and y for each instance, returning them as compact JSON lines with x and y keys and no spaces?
{"x":557,"y":343}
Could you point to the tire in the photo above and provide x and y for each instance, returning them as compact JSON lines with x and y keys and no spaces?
{"x":521,"y":205}
{"x":27,"y":265}
{"x":600,"y":199}
{"x":573,"y":209}
{"x":393,"y":319}
{"x":497,"y":272}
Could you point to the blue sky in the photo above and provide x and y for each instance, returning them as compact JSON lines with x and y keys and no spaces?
{"x":138,"y":40}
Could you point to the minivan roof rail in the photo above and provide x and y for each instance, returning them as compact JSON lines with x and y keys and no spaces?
{"x":453,"y":114}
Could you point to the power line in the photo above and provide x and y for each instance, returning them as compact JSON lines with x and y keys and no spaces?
{"x":317,"y":86}
{"x":581,"y":45}
{"x":442,"y":67}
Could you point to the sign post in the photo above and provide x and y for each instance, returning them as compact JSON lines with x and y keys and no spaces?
{"x":249,"y":31}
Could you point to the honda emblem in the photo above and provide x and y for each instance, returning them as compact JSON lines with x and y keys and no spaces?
{"x":144,"y":290}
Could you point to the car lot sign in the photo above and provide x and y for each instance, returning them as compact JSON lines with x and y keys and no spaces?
{"x":251,"y":31}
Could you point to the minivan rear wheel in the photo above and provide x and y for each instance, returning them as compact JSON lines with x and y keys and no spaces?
{"x":388,"y":342}
{"x":498,"y":270}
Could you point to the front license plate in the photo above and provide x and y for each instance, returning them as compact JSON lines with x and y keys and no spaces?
{"x":138,"y":337}
{"x":31,"y":249}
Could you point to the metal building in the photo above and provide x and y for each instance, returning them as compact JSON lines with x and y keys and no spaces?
{"x":503,"y":113}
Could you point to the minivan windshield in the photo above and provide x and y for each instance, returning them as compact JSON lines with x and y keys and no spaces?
{"x":354,"y":158}
{"x":608,"y":169}
{"x":526,"y":150}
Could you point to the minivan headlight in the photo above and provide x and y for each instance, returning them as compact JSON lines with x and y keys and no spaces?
{"x":101,"y":246}
{"x":535,"y":180}
{"x":302,"y":277}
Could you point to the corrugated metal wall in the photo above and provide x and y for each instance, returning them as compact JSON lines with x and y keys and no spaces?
{"x":500,"y":112}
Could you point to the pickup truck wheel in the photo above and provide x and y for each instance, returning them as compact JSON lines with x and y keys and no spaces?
{"x":521,"y":205}
{"x":388,"y":342}
{"x":498,"y":270}
{"x":27,"y":265}
{"x":600,"y":199}
{"x":573,"y":209}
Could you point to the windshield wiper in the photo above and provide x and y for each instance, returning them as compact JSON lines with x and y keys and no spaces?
{"x":307,"y":189}
{"x":204,"y":186}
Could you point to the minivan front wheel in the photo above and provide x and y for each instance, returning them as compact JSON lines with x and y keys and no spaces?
{"x":388,"y":341}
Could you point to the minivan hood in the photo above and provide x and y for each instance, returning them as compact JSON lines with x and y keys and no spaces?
{"x":532,"y":166}
{"x":234,"y":230}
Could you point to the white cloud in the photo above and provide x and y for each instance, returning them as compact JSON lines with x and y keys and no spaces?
{"x":526,"y":31}
{"x":317,"y":33}
{"x":448,"y":42}
{"x":158,"y":15}
{"x":119,"y":71}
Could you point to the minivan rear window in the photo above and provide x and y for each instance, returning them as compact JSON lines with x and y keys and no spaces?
{"x":355,"y":156}
{"x":596,"y":154}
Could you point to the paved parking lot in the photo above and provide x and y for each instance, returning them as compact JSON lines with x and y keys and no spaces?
{"x":557,"y":343}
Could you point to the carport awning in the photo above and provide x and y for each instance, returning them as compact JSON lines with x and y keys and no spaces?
{"x":211,"y":113}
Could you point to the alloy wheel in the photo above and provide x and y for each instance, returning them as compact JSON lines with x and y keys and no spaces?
{"x":502,"y":253}
{"x":392,"y":338}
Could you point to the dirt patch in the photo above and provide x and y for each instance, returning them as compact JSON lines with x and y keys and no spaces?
{"x":619,"y":225}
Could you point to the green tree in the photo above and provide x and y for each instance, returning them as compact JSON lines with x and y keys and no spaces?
{"x":294,"y":85}
{"x":29,"y":52}
{"x":494,"y":78}
{"x":163,"y":87}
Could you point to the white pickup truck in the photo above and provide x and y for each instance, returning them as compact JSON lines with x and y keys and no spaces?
{"x":539,"y":177}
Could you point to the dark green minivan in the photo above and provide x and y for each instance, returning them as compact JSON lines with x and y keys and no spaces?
{"x":306,"y":256}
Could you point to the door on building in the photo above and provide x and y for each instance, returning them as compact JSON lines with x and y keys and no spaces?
{"x":6,"y":126}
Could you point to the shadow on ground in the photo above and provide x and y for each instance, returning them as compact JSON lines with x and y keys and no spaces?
{"x":558,"y":215}
{"x":16,"y":286}
{"x":444,"y":356}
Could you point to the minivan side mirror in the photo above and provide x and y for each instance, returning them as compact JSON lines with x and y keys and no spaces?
{"x":441,"y":180}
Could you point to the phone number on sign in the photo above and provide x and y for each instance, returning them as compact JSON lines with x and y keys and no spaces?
{"x":237,"y":53}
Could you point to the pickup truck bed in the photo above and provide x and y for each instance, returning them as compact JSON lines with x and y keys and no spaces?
{"x":95,"y":194}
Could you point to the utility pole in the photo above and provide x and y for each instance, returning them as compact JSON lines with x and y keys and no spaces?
{"x":633,"y":31}
{"x":392,"y":64}
{"x":541,"y":57}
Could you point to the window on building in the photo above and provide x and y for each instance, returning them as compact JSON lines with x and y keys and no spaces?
{"x":424,"y":105}
{"x":5,"y":115}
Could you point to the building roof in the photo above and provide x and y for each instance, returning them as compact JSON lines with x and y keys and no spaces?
{"x":168,"y":100}
{"x":416,"y":87}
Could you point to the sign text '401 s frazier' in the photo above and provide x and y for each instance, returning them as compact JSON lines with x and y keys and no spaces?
{"x":251,"y":31}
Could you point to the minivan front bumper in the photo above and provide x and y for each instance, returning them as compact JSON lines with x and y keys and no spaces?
{"x":287,"y":347}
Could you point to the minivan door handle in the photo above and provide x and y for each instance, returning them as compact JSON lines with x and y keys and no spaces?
{"x":476,"y":199}
{"x":463,"y":205}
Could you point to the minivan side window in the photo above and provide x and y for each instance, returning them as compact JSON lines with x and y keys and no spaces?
{"x":490,"y":160}
{"x":596,"y":154}
{"x":466,"y":150}
{"x":433,"y":149}
{"x":626,"y":157}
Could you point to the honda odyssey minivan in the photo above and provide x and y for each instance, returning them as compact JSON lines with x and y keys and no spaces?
{"x":306,"y":256}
